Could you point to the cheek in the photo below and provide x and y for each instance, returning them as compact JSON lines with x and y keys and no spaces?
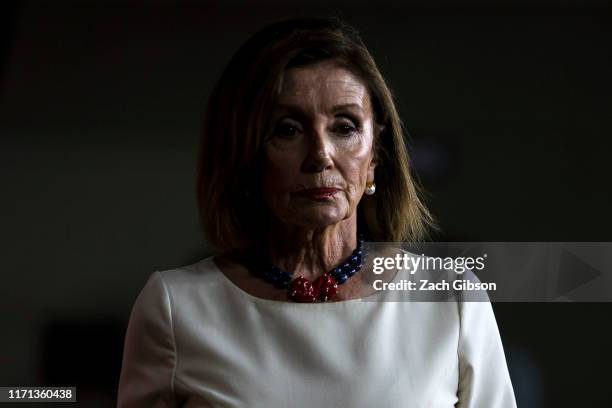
{"x":355,"y":162}
{"x":278,"y":168}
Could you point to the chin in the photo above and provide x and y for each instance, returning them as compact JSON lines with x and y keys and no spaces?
{"x":319,"y":219}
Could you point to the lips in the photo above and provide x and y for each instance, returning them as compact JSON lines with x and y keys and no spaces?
{"x":318,"y":193}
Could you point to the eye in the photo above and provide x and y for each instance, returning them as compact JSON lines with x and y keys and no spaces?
{"x":286,"y":129}
{"x":345,"y":128}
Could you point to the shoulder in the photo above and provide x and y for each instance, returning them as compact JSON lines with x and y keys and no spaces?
{"x":200,"y":273}
{"x":178,"y":285}
{"x":172,"y":298}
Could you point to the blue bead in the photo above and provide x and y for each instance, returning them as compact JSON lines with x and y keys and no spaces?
{"x":351,"y":272}
{"x":354,"y":259}
{"x":280,"y":284}
{"x":340,"y":279}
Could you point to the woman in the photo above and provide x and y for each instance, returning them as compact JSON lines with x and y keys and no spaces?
{"x":302,"y":158}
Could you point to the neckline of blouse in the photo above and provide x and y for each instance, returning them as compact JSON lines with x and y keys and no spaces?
{"x":376,"y":297}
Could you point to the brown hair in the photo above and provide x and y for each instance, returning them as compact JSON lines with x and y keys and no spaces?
{"x":235,"y":125}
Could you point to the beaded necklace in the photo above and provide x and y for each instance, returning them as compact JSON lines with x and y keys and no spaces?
{"x":323,"y":288}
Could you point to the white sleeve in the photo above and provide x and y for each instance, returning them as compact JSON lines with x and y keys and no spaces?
{"x":147,"y":373}
{"x":484,"y":381}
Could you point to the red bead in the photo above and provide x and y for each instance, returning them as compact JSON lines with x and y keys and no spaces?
{"x":300,"y":290}
{"x":324,"y":287}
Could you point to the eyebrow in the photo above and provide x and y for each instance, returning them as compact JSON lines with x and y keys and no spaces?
{"x":346,"y":106}
{"x":300,"y":111}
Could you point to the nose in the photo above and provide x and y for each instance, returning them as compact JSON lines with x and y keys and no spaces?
{"x":318,"y":154}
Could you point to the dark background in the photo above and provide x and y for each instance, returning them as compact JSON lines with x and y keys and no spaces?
{"x":507,"y":106}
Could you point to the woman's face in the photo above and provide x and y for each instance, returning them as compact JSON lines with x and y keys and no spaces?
{"x":319,"y":150}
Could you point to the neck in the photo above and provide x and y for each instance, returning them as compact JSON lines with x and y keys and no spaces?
{"x":312,"y":252}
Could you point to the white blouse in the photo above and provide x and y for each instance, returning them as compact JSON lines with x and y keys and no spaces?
{"x":195,"y":339}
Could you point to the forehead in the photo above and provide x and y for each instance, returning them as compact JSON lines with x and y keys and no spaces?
{"x":322,"y":83}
